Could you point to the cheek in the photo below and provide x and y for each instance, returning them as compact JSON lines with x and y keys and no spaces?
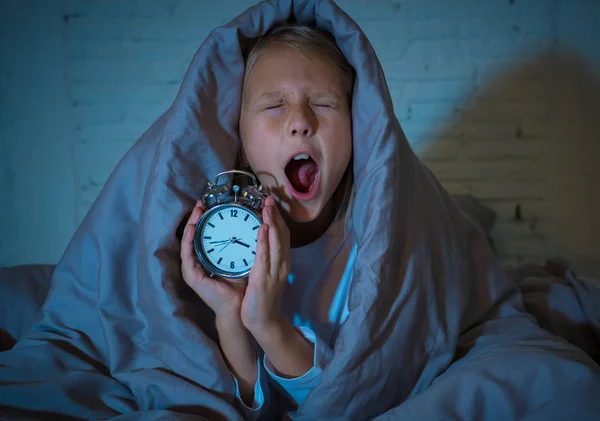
{"x":344,"y":153}
{"x":340,"y":144}
{"x":259,"y":143}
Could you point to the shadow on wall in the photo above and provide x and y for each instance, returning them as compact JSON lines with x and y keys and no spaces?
{"x":527,"y":145}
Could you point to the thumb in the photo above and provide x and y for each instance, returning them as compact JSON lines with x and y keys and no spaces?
{"x":261,"y":266}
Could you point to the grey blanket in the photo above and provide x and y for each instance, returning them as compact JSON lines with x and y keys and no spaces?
{"x":436,"y":329}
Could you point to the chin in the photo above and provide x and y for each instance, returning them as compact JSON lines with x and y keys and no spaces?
{"x":304,"y":214}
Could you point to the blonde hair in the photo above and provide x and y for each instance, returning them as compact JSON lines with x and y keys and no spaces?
{"x":314,"y":44}
{"x":311,"y":42}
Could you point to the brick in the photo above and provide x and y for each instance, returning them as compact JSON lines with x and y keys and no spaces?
{"x":116,"y":132}
{"x":518,"y":89}
{"x":90,"y":187}
{"x":529,"y":209}
{"x":108,"y":8}
{"x":499,"y":170}
{"x":86,"y":28}
{"x":91,"y":70}
{"x":537,"y":22}
{"x":124,"y":93}
{"x":438,"y":50}
{"x":128,"y":50}
{"x":516,"y":261}
{"x":98,"y":114}
{"x":101,"y":114}
{"x":523,"y":249}
{"x":506,"y":47}
{"x":496,"y":189}
{"x":474,"y":130}
{"x":364,"y":11}
{"x":437,"y":90}
{"x":98,"y":158}
{"x":94,"y":72}
{"x":491,"y":70}
{"x":398,"y":10}
{"x":432,"y":112}
{"x":517,"y":27}
{"x":436,"y":150}
{"x":506,"y":189}
{"x":505,"y":9}
{"x":418,"y":135}
{"x":434,"y":28}
{"x":391,"y":38}
{"x":526,"y":229}
{"x":175,"y":9}
{"x":503,"y":149}
{"x":507,"y":111}
{"x":476,"y":149}
{"x":136,"y":29}
{"x":416,"y":69}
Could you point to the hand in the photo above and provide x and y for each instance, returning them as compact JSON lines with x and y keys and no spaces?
{"x":224,"y":297}
{"x":261,"y":307}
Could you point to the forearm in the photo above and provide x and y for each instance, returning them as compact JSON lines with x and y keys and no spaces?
{"x":240,"y":354}
{"x":287,"y":350}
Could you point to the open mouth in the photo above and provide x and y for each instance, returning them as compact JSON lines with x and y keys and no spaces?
{"x":302,"y":173}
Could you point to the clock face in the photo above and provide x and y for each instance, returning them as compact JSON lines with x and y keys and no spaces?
{"x":227,"y":236}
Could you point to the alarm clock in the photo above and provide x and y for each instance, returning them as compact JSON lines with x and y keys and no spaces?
{"x":226,"y":235}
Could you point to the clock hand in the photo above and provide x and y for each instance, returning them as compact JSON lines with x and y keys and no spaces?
{"x":217,"y":242}
{"x":230,"y":241}
{"x":241,"y":244}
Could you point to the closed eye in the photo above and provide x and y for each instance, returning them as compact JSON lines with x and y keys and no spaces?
{"x":332,"y":105}
{"x":272,"y":107}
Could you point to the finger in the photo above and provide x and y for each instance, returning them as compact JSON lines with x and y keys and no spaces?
{"x":200,"y":204}
{"x":277,"y":220}
{"x":279,"y":240}
{"x":199,"y":282}
{"x":275,"y":244}
{"x":270,"y":201}
{"x":268,"y":206}
{"x":187,"y":240}
{"x":260,"y":269}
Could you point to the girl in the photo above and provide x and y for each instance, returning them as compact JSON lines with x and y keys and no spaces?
{"x":295,"y":128}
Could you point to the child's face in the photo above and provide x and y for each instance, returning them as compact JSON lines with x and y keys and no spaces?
{"x":294,"y":107}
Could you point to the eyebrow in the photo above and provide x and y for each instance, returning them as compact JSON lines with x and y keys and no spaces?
{"x":271,"y":95}
{"x":328,"y":94}
{"x":318,"y":94}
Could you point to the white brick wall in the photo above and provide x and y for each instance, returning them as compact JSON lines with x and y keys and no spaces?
{"x":473,"y":84}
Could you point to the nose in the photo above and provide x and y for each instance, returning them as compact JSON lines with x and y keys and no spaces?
{"x":302,"y":122}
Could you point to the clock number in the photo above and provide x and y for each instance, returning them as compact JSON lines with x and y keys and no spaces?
{"x":232,"y":265}
{"x":234,"y":213}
